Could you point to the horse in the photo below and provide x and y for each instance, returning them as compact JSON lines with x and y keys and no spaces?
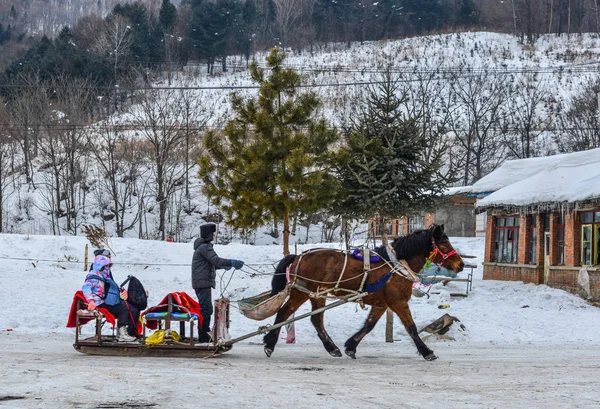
{"x":329,"y":270}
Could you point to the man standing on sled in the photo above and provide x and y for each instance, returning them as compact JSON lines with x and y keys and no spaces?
{"x":204,"y":265}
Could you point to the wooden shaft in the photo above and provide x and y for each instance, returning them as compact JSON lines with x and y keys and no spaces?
{"x":389,"y":326}
{"x":344,"y":300}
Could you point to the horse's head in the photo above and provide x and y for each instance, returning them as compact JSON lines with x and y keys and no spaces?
{"x":442,"y":252}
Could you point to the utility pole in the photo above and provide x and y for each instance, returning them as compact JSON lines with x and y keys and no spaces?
{"x":598,"y":119}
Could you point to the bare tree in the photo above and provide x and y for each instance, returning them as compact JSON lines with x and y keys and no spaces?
{"x":477,"y":109}
{"x":118,"y":159}
{"x":597,"y":16}
{"x":27,"y":111}
{"x":288,"y":12}
{"x":7,"y":153}
{"x":158,"y":117}
{"x":53,"y":163}
{"x":47,"y":203}
{"x":87,"y":28}
{"x":308,"y":32}
{"x":550,"y":15}
{"x":527,"y":123}
{"x":73,"y":101}
{"x":569,"y":18}
{"x":579,"y":123}
{"x":426,"y":93}
{"x":115,"y":40}
{"x":195,"y":117}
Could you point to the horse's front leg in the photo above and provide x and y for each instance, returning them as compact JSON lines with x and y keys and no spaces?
{"x":317,"y":321}
{"x":403,"y":312}
{"x":294,"y":302}
{"x":352,"y":342}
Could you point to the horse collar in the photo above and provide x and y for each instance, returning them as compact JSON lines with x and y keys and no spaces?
{"x":398,"y":267}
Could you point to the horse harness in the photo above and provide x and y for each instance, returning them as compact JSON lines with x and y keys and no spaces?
{"x":436,"y":250}
{"x":400,"y":268}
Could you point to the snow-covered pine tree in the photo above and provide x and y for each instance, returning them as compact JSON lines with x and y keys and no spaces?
{"x":382,"y":167}
{"x":273,"y":158}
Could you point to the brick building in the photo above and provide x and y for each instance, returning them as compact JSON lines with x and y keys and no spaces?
{"x":456,"y":213}
{"x":543,"y":220}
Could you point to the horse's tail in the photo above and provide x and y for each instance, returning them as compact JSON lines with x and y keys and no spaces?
{"x":280,"y":278}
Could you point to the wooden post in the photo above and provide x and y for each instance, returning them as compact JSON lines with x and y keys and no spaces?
{"x":290,"y":332}
{"x":291,"y":328}
{"x":85,"y":259}
{"x":389,"y":326}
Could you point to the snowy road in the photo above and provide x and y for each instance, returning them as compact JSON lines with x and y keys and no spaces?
{"x":48,"y":373}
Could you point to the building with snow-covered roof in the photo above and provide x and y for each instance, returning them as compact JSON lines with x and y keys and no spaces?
{"x":543,"y":221}
{"x":455,"y":212}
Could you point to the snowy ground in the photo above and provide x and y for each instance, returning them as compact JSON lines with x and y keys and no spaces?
{"x":524,"y":345}
{"x":48,"y":373}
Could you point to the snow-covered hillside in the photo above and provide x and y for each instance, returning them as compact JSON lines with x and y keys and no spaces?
{"x":339,"y":73}
{"x":558,"y":65}
{"x":48,"y":17}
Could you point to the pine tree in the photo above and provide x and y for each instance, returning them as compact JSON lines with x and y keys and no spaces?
{"x":382,"y":166}
{"x":165,"y":43}
{"x":273,"y":159}
{"x":230,"y":18}
{"x":248,"y":30}
{"x":167,"y":16}
{"x":206,"y":32}
{"x":467,"y":15}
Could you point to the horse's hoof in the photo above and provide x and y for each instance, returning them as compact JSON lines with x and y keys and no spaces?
{"x":351,"y":354}
{"x":335,"y":353}
{"x":430,"y":357}
{"x":268,"y":352}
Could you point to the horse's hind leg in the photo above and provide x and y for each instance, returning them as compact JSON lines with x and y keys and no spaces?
{"x":352,"y":342}
{"x":296,"y":299}
{"x":401,"y":308}
{"x":317,"y":321}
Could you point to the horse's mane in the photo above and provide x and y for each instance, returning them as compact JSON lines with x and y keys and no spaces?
{"x":410,"y":245}
{"x":413,"y":244}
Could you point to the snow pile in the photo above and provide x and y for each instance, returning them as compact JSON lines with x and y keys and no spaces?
{"x":40,"y":274}
{"x":554,"y":179}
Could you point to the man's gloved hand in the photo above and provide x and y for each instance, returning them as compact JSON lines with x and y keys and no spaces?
{"x":123,"y":294}
{"x":237,"y":264}
{"x":91,"y":305}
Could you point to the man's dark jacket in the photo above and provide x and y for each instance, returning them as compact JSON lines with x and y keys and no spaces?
{"x":204,"y":264}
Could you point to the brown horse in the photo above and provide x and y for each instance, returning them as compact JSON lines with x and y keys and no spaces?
{"x":323,"y":269}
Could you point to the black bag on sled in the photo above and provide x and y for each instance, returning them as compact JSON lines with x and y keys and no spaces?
{"x":136,"y":293}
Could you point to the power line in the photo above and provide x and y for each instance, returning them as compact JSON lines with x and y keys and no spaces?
{"x":120,"y":263}
{"x":441,"y":75}
{"x":71,"y":127}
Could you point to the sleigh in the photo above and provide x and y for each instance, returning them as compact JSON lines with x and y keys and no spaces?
{"x":169,"y":314}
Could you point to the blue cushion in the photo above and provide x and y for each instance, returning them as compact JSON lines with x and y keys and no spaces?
{"x":180,"y":315}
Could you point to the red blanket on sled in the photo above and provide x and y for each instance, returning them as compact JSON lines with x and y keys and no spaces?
{"x":71,"y":322}
{"x":182,"y":302}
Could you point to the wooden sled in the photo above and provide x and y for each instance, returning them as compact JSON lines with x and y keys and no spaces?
{"x":108,"y":346}
{"x":264,"y":305}
{"x":186,"y":347}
